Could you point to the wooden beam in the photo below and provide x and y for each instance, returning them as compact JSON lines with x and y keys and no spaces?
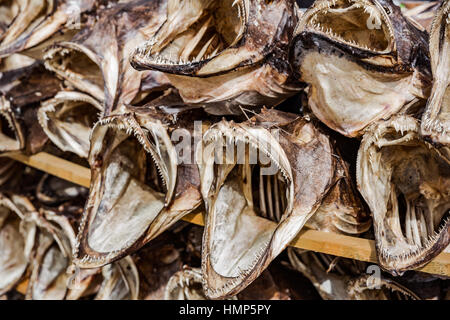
{"x":329,"y":243}
{"x":56,"y":166}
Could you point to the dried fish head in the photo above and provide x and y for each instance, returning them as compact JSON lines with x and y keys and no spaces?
{"x":20,"y":96}
{"x":138,"y":186}
{"x":337,"y":278}
{"x":222,"y":54}
{"x":406,"y":183}
{"x":362,"y":60}
{"x":120,"y":281}
{"x":15,"y":243}
{"x":436,"y":119}
{"x":185,"y":285}
{"x":384,"y":288}
{"x":68,"y":118}
{"x":28,"y":23}
{"x":51,"y":276}
{"x":95,"y":61}
{"x":261,"y":180}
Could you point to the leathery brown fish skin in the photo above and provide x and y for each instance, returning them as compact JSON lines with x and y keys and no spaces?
{"x":139,"y":187}
{"x":29,"y":23}
{"x":295,"y":169}
{"x":405,"y":181}
{"x":436,"y":118}
{"x":223,"y":54}
{"x":362,"y":60}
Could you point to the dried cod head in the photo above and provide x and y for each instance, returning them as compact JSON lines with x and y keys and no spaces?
{"x":406,"y":183}
{"x":53,"y":275}
{"x":67,"y":120}
{"x":120,"y":281}
{"x":19,"y":100}
{"x":95,"y":60}
{"x":185,"y":285}
{"x":139,"y":187}
{"x":51,"y":259}
{"x":16,"y":241}
{"x":436,"y":119}
{"x":363,"y":61}
{"x":261,"y":181}
{"x":223,"y":54}
{"x":337,"y":278}
{"x":28,"y":23}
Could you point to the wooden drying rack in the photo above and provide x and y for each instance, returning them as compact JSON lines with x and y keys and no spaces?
{"x":329,"y":243}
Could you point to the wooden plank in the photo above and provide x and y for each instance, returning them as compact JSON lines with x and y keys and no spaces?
{"x":329,"y":243}
{"x":56,"y":166}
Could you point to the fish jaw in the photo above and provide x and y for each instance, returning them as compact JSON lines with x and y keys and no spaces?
{"x":67,"y":120}
{"x":353,"y":78}
{"x":255,"y":56}
{"x":133,"y":154}
{"x":409,"y":205}
{"x":240,"y":240}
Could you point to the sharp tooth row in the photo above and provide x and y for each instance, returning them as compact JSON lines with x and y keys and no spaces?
{"x":323,"y":9}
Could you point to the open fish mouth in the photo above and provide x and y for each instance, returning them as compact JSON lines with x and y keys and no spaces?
{"x":237,"y":236}
{"x":362,"y":288}
{"x":48,"y":277}
{"x":12,"y":137}
{"x":134,"y":172}
{"x":360,"y":68}
{"x":196,"y":35}
{"x":185,"y":285}
{"x":67,"y":120}
{"x":78,"y":65}
{"x":205,"y":46}
{"x":406,"y":183}
{"x":436,"y":119}
{"x":362,"y":24}
{"x":251,"y":193}
{"x":121,"y":281}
